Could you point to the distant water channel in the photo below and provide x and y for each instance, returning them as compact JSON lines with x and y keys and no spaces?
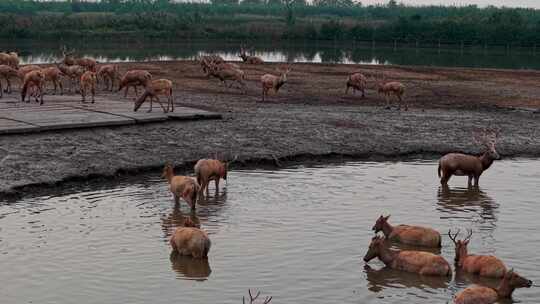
{"x":33,"y":51}
{"x":298,"y":234}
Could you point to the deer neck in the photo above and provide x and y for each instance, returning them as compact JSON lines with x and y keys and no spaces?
{"x":486,"y":160}
{"x":387,"y":256}
{"x":169,"y":176}
{"x":504,"y":290}
{"x":387,"y":229}
{"x":462,"y":258}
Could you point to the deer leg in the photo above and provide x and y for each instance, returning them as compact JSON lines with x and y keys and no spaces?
{"x":216,"y":182}
{"x":61,"y":87}
{"x":176,"y":199}
{"x":363,"y":93}
{"x":1,"y":91}
{"x":161,"y":104}
{"x":445,"y":178}
{"x":93,"y":91}
{"x":171,"y":101}
{"x":387,"y":102}
{"x":469,"y":183}
{"x":8,"y":88}
{"x":476,"y":179}
{"x":126,"y":91}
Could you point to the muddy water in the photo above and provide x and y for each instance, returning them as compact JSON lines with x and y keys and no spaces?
{"x":297,"y":234}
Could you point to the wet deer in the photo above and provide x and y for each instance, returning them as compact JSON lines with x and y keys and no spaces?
{"x":155,"y":88}
{"x":134,"y":78}
{"x":249,"y":59}
{"x":483,"y":265}
{"x":190,"y":241}
{"x":181,"y":186}
{"x":273,"y":82}
{"x":88,"y":84}
{"x":394,"y":88}
{"x":7,"y":72}
{"x":406,"y":234}
{"x":253,"y":299}
{"x":358,"y":82}
{"x":33,"y":80}
{"x":486,"y":295}
{"x":207,"y":170}
{"x":469,"y":165}
{"x":420,"y":262}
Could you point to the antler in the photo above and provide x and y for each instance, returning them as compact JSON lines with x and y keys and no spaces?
{"x":253,"y":298}
{"x":455,"y":235}
{"x":469,"y":235}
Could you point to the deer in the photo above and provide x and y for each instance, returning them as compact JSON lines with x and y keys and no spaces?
{"x":7,"y":72}
{"x":88,"y":83}
{"x":485,"y":295}
{"x":54,"y":75}
{"x":470,"y":165}
{"x":249,"y":59}
{"x":181,"y":186}
{"x":190,"y":241}
{"x":252,"y":299}
{"x":392,"y":88}
{"x":224,"y":74}
{"x":207,"y":170}
{"x":357,"y":81}
{"x":420,"y":262}
{"x":272,"y":82}
{"x":155,"y":88}
{"x":25,"y":70}
{"x":73,"y":72}
{"x":11,"y":59}
{"x":207,"y":60}
{"x":34,"y":79}
{"x":133,"y":79}
{"x":411,"y":235}
{"x":483,"y":265}
{"x":68,"y":59}
{"x":108,"y":73}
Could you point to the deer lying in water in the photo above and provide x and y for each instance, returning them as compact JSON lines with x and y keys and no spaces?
{"x":411,"y":235}
{"x":358,"y":82}
{"x":7,"y":72}
{"x":252,"y":298}
{"x":155,"y":88}
{"x":420,"y":262}
{"x":182,"y":186}
{"x":190,"y":241}
{"x":272,"y":82}
{"x":36,"y":80}
{"x":224,"y":73}
{"x":469,"y":165}
{"x":133,"y":79}
{"x":483,"y":265}
{"x":485,"y":295}
{"x":54,"y":75}
{"x":249,"y":59}
{"x":73,"y":72}
{"x":68,"y":59}
{"x":108,"y":73}
{"x":11,"y":59}
{"x":88,"y":84}
{"x":207,"y":170}
{"x":393,"y":88}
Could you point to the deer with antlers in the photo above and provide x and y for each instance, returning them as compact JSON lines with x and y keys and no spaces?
{"x":88,"y":85}
{"x":486,"y":295}
{"x":54,"y":75}
{"x":155,"y":88}
{"x":181,"y":186}
{"x":134,"y":78}
{"x":33,"y":80}
{"x":394,"y":88}
{"x":469,"y":165}
{"x":11,"y":59}
{"x":68,"y":59}
{"x":72,"y":72}
{"x":483,"y":265}
{"x":7,"y":72}
{"x":406,"y":234}
{"x":273,"y":82}
{"x":108,"y":74}
{"x":358,"y":82}
{"x":424,"y":263}
{"x":253,"y":299}
{"x":224,"y":73}
{"x":247,"y":58}
{"x":207,"y":170}
{"x":207,"y":60}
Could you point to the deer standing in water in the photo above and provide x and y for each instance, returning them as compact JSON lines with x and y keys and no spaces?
{"x":7,"y":72}
{"x":273,"y":82}
{"x":190,"y":241}
{"x":252,"y":299}
{"x":420,"y":262}
{"x":486,"y":295}
{"x":411,"y":235}
{"x":155,"y":88}
{"x":358,"y":82}
{"x":181,"y":186}
{"x":133,"y":79}
{"x":469,"y":165}
{"x":249,"y":59}
{"x":207,"y":170}
{"x":483,"y":265}
{"x":33,"y":80}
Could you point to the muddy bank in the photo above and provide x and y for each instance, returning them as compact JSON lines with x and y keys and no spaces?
{"x":293,"y":124}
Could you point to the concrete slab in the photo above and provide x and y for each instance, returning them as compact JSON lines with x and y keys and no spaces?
{"x":184,"y":113}
{"x":12,"y":127}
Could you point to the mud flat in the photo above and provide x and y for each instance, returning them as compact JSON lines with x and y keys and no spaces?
{"x":310,"y":118}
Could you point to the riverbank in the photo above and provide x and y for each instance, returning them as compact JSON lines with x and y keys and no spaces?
{"x":310,"y":118}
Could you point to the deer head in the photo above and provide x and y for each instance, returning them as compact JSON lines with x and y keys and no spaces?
{"x":168,"y":171}
{"x":488,"y":138}
{"x":460,"y":245}
{"x":252,"y":298}
{"x":374,"y":249}
{"x":379,"y":224}
{"x":67,"y":56}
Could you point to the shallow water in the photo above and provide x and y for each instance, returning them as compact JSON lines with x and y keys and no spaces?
{"x":297,"y":234}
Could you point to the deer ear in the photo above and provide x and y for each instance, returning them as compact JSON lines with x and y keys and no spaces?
{"x":387,"y":217}
{"x":466,"y":242}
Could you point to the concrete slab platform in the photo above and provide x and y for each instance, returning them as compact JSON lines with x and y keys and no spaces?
{"x":10,"y":127}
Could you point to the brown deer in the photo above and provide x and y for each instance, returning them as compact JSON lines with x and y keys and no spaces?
{"x":73,"y":72}
{"x":393,"y":88}
{"x":486,"y":295}
{"x":357,"y":81}
{"x":11,"y":59}
{"x":249,"y":59}
{"x":7,"y":72}
{"x":88,"y":64}
{"x":469,"y":165}
{"x":420,"y":262}
{"x":272,"y":82}
{"x":27,"y":69}
{"x":411,"y":235}
{"x":155,"y":88}
{"x":54,"y":75}
{"x":88,"y":84}
{"x":181,"y":186}
{"x":253,"y":299}
{"x":224,"y":74}
{"x":34,"y":79}
{"x":108,"y":73}
{"x":133,"y":79}
{"x":207,"y":170}
{"x":206,"y":61}
{"x":483,"y":265}
{"x":190,"y":241}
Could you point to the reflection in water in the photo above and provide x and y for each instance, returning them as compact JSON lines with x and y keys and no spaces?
{"x":464,"y":278}
{"x":188,"y":267}
{"x":386,"y":277}
{"x":176,"y":219}
{"x":467,"y":203}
